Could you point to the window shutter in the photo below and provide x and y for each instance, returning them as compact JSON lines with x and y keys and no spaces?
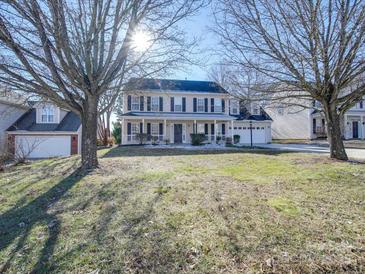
{"x":212,"y":129}
{"x":149,"y":103}
{"x":172,"y":104}
{"x":141,"y":103}
{"x":161,"y":104}
{"x":160,"y":129}
{"x":206,"y":128}
{"x":223,"y":105}
{"x":149,"y":128}
{"x":211,"y":104}
{"x":129,"y":129}
{"x":206,"y":104}
{"x":194,"y":104}
{"x":129,"y":103}
{"x":140,"y":127}
{"x":184,"y":104}
{"x":223,"y":129}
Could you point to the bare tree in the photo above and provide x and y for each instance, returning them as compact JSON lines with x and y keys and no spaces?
{"x":313,"y":47}
{"x":74,"y":51}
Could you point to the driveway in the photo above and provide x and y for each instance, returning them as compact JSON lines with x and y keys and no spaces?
{"x":352,"y":153}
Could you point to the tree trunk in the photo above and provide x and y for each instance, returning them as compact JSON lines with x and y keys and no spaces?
{"x":89,"y":158}
{"x":337,"y":148}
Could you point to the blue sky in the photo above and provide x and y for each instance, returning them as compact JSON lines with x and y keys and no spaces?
{"x":197,"y":26}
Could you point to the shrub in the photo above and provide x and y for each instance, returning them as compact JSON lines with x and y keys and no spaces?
{"x":197,"y":139}
{"x":117,"y":131}
{"x":154,"y":140}
{"x":167,"y":141}
{"x":236,"y":139}
{"x":228,"y":141}
{"x":142,"y":137}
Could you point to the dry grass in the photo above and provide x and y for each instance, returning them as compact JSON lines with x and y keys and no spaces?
{"x":169,"y":211}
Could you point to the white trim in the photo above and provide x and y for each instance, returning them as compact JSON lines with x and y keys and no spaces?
{"x":23,"y":132}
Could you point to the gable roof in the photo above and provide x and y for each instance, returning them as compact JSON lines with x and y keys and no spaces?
{"x":246,"y":115}
{"x":71,"y":122}
{"x":174,"y":85}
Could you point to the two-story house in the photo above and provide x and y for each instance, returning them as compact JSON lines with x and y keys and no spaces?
{"x":296,"y":122}
{"x":43,"y":131}
{"x":171,"y":110}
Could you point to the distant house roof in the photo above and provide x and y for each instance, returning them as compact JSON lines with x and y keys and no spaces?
{"x":175,"y":85}
{"x":246,"y":115}
{"x":71,"y":122}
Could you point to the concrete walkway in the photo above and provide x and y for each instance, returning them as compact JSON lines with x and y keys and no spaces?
{"x":358,"y":154}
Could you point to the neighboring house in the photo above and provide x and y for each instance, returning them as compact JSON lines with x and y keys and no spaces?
{"x":9,"y":113}
{"x":45,"y":130}
{"x":171,"y":110}
{"x":294,"y":122}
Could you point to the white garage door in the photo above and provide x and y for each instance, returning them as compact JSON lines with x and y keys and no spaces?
{"x":43,"y":146}
{"x":258,"y":134}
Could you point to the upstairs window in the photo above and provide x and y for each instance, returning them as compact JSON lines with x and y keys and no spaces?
{"x":155,"y":103}
{"x":217,"y":105}
{"x":200,"y":105}
{"x":234,"y":107}
{"x":135,"y":103}
{"x":178,"y":104}
{"x":48,"y":114}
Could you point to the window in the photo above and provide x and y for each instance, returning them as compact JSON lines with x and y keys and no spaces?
{"x":280,"y":110}
{"x":178,"y":104}
{"x":155,"y":103}
{"x":134,"y":128}
{"x":135,"y":103}
{"x":361,"y":104}
{"x":234,"y":107}
{"x":154,"y":129}
{"x":217,"y":105}
{"x":200,"y":128}
{"x":47,"y":114}
{"x":200,"y":104}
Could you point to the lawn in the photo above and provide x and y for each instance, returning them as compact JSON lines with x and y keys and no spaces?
{"x":169,"y":211}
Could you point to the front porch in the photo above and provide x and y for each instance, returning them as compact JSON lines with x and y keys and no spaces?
{"x":164,"y":131}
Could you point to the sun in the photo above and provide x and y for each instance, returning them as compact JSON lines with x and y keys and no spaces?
{"x":141,"y":41}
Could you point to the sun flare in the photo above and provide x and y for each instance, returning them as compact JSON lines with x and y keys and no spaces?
{"x":141,"y":41}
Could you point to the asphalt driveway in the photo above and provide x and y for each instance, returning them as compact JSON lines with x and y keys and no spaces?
{"x":358,"y":154}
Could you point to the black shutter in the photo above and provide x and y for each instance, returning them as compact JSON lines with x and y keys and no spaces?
{"x":140,"y":127}
{"x":172,"y":104}
{"x":161,"y":103}
{"x":194,"y":104}
{"x":184,"y":104}
{"x":314,"y":126}
{"x":129,"y":103}
{"x":129,"y":129}
{"x":149,"y":128}
{"x":223,"y":129}
{"x":149,"y":103}
{"x":223,"y":105}
{"x":206,"y":104}
{"x":206,"y":131}
{"x":212,"y":129}
{"x":160,"y":129}
{"x":141,"y":103}
{"x":211,"y":104}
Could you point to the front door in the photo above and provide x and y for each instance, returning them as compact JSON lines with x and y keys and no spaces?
{"x":177,"y":133}
{"x":355,"y":129}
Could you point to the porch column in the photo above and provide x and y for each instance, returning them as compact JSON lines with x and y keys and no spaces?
{"x":165,"y":129}
{"x":232,"y":130}
{"x":195,"y":129}
{"x":215,"y":130}
{"x":362,"y":127}
{"x":122,"y":131}
{"x":345,"y":127}
{"x":143,"y":126}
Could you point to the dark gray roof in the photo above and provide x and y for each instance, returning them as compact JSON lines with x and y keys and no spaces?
{"x":71,"y":122}
{"x":189,"y":115}
{"x":246,"y":115}
{"x":175,"y":85}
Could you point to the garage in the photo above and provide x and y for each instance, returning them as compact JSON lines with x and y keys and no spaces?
{"x":260,"y":133}
{"x":38,"y":146}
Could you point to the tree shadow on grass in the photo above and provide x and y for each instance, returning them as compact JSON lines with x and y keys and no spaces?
{"x":18,"y":222}
{"x":135,"y":151}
